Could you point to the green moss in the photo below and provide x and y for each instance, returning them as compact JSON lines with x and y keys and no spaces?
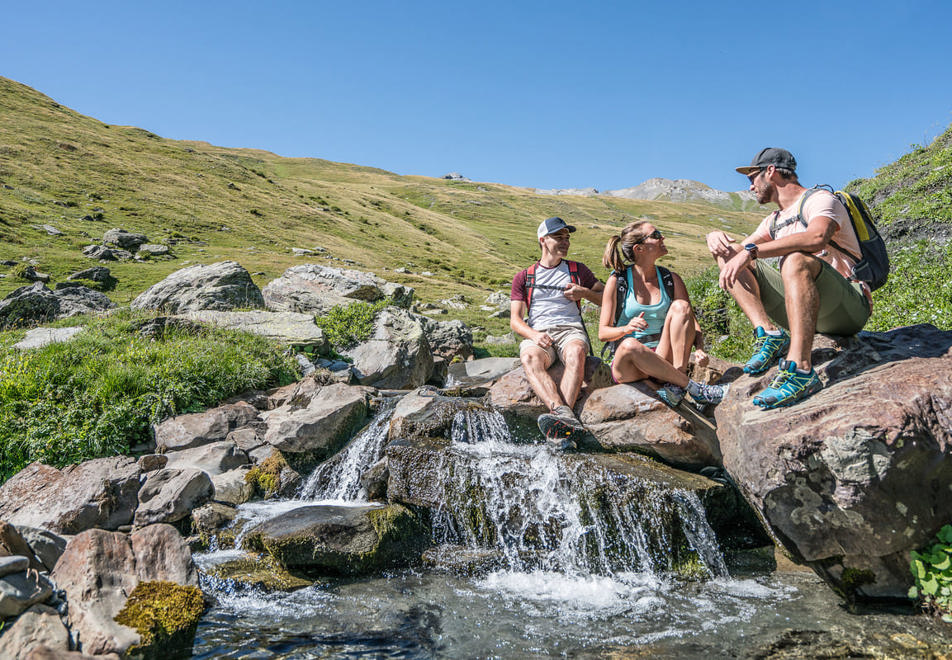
{"x":165,"y":615}
{"x":266,"y":476}
{"x":261,"y":571}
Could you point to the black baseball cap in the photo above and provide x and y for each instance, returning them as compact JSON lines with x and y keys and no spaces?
{"x":770,"y":156}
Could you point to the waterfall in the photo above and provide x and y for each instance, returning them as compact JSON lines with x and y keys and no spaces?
{"x":545,"y":511}
{"x":339,"y":477}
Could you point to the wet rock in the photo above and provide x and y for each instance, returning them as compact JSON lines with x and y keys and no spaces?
{"x":196,"y":429}
{"x":290,"y":328}
{"x":475,"y":373}
{"x":209,"y":518}
{"x":21,"y":590}
{"x":374,"y":481}
{"x":424,"y":413}
{"x":213,"y":458}
{"x":40,"y":337}
{"x":38,"y":626}
{"x":514,"y":397}
{"x":348,"y":540}
{"x":461,"y":560}
{"x":322,"y":426}
{"x":99,"y":570}
{"x":168,"y":495}
{"x":124,"y":239}
{"x":397,"y":355}
{"x":46,"y":545}
{"x":75,"y":300}
{"x":313,"y":289}
{"x":630,"y":418}
{"x":263,"y":573}
{"x":221,"y":286}
{"x":97,"y":493}
{"x":859,"y":474}
{"x":28,"y":305}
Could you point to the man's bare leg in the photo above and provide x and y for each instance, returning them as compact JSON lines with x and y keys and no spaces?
{"x":746,"y":292}
{"x":573,"y":357}
{"x":534,"y":361}
{"x":799,"y":273}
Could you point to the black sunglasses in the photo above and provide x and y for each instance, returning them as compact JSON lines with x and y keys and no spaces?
{"x":656,"y":234}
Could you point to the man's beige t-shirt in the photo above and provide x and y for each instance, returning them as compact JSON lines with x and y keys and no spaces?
{"x":820,"y":203}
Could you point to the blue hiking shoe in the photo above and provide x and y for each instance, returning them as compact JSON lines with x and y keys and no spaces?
{"x":767,"y":349}
{"x":671,"y":394}
{"x":788,"y":387}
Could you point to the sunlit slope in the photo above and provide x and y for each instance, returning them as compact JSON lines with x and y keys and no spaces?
{"x":83,"y":177}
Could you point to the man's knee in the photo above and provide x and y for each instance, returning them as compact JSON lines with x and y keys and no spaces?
{"x":574,"y":353}
{"x":534,"y":361}
{"x":798,"y":264}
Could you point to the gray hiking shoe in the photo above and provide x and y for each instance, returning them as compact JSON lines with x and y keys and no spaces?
{"x":705,"y":394}
{"x":671,"y":394}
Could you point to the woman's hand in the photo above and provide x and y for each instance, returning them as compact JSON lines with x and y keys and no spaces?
{"x":637,"y":324}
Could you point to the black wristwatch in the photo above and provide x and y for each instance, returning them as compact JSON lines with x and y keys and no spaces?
{"x":752,"y":250}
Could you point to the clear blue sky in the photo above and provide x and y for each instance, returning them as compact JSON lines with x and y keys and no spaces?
{"x":541,"y":94}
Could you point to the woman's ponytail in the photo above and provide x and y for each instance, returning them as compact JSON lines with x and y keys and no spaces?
{"x":612,"y":259}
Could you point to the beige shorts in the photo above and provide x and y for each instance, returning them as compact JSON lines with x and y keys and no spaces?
{"x":561,"y":336}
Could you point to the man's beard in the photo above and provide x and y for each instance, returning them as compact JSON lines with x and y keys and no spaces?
{"x":763,"y":195}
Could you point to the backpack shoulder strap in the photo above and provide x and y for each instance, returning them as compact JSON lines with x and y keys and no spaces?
{"x":575,"y":279}
{"x":530,"y":284}
{"x":667,"y":280}
{"x":777,"y":226}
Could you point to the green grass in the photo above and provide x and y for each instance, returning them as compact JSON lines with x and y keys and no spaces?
{"x":97,"y":394}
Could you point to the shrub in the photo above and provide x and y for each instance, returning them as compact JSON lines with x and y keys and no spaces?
{"x":919,"y":289}
{"x":348,"y":325}
{"x":97,"y":394}
{"x":727,"y":332}
{"x":932,"y":572}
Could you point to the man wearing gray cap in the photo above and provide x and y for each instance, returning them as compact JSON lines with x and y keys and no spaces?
{"x":551,"y":291}
{"x":812,"y":291}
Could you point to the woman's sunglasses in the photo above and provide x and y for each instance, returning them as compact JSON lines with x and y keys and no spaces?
{"x":656,"y":234}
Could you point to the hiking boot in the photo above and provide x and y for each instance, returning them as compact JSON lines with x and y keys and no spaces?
{"x":559,"y":428}
{"x":704,"y":394}
{"x":671,"y":394}
{"x":788,"y":387}
{"x":767,"y":349}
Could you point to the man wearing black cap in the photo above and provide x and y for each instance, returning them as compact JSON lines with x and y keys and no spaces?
{"x":551,"y":291}
{"x":812,"y":291}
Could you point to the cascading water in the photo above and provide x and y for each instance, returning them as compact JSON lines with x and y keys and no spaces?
{"x":339,"y":478}
{"x":543,"y":511}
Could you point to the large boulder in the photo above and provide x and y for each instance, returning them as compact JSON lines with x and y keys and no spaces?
{"x":853,"y":478}
{"x":320,"y":427}
{"x":196,"y":429}
{"x":424,"y":413}
{"x":168,"y":495}
{"x":99,"y":493}
{"x":14,"y":544}
{"x":514,"y":397}
{"x":289,"y":328}
{"x":98,"y":274}
{"x":222,"y":286}
{"x":22,"y":589}
{"x":28,"y":305}
{"x":348,"y":540}
{"x":314,"y":289}
{"x":474,"y":373}
{"x":46,"y":545}
{"x":448,"y":339}
{"x":75,"y":300}
{"x":397,"y":355}
{"x":629,"y":417}
{"x":99,"y":570}
{"x":213,"y":458}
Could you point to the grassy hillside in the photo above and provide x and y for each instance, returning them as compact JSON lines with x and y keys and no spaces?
{"x":83,"y":177}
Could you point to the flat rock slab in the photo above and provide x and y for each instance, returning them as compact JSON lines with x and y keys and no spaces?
{"x":39,"y":625}
{"x":40,"y":337}
{"x":342,"y":539}
{"x":478,"y":372}
{"x":202,"y":428}
{"x":290,"y":328}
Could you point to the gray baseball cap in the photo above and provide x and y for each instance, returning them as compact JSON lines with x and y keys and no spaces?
{"x":552,"y":225}
{"x":770,"y":156}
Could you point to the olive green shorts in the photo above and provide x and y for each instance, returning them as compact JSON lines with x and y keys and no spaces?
{"x":844,"y":308}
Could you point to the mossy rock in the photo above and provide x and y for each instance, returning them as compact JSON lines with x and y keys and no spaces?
{"x":259,"y":571}
{"x":166,"y":617}
{"x":342,"y":540}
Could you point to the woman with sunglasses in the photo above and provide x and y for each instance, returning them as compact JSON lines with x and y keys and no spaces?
{"x":656,"y":328}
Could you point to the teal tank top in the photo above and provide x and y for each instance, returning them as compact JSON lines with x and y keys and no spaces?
{"x":653,"y":314}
